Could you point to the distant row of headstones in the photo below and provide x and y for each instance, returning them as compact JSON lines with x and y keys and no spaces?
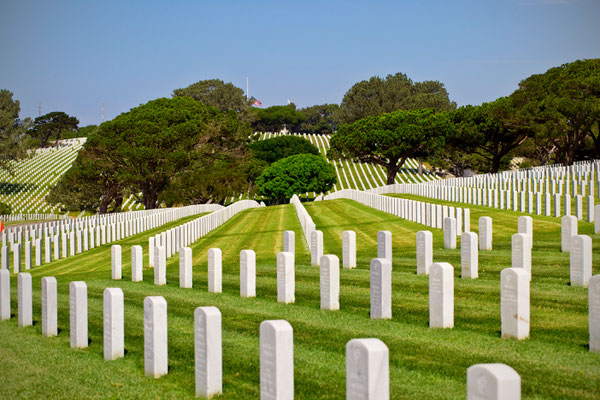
{"x":66,"y":238}
{"x":367,"y":360}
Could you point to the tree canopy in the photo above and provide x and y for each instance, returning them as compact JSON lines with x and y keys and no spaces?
{"x":52,"y":125}
{"x":320,"y":119}
{"x":276,"y":118}
{"x":390,"y":139}
{"x":394,"y":92}
{"x":271,"y":150}
{"x":13,"y":144}
{"x":563,"y":105}
{"x":216,"y":93}
{"x":296,"y":174}
{"x":156,"y":146}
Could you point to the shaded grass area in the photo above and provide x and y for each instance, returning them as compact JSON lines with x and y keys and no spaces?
{"x":424,"y":363}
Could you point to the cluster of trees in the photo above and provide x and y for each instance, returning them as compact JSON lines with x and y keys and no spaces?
{"x":551,"y":117}
{"x":198,"y":146}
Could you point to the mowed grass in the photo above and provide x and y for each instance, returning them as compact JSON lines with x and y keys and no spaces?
{"x":424,"y":363}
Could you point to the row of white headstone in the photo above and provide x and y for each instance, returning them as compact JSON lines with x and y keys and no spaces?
{"x":367,"y":360}
{"x":76,"y":237}
{"x":183,"y":235}
{"x":29,"y":217}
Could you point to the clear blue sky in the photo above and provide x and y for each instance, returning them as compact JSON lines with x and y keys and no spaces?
{"x":73,"y":55}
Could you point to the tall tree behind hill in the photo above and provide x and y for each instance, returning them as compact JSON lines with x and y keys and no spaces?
{"x":52,"y":125}
{"x":320,"y":119}
{"x":276,"y":118}
{"x":564,"y":105}
{"x":13,"y":143}
{"x":395,"y":92}
{"x":216,"y":93}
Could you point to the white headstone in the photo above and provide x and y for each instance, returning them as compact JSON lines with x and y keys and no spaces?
{"x":276,"y":360}
{"x":493,"y":382}
{"x":16,"y":258}
{"x":215,"y":271}
{"x":469,"y":256}
{"x":248,"y":273}
{"x":424,"y":252}
{"x":4,"y":294}
{"x":28,"y":255}
{"x":160,"y":265}
{"x":156,"y":359}
{"x":384,"y":245}
{"x":285,"y":278}
{"x":4,"y":257}
{"x":449,"y":233}
{"x":367,"y":370}
{"x":115,"y":257}
{"x":594,"y":313}
{"x":316,"y":247}
{"x":381,"y":288}
{"x":24,"y":300}
{"x":485,"y":233}
{"x":78,"y":315}
{"x":137,"y":260}
{"x":441,"y":295}
{"x":581,"y":260}
{"x":514,"y":304}
{"x":49,"y":306}
{"x":208,"y":351}
{"x":568,"y":225}
{"x":349,"y":249}
{"x":185,"y":267}
{"x":521,"y":252}
{"x":289,"y":242}
{"x":114,"y":328}
{"x":525,"y":225}
{"x":330,"y":282}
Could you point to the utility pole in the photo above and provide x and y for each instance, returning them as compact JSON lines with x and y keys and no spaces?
{"x":102,"y":111}
{"x":246,"y":88}
{"x":40,"y":110}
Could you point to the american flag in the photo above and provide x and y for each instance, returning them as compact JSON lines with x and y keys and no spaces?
{"x":256,"y":102}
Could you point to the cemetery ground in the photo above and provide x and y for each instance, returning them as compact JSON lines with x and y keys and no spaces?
{"x":424,"y":363}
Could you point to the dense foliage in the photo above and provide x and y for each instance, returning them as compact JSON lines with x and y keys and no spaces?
{"x":155,"y":148}
{"x":277,"y":118}
{"x":320,"y":119}
{"x":271,"y":150}
{"x":390,"y":139}
{"x":53,"y":125}
{"x":394,"y":92}
{"x":296,"y":174}
{"x":13,"y":145}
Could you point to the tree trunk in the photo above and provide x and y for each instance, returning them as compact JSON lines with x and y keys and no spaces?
{"x":420,"y":166}
{"x":392,"y":169}
{"x":150,"y":198}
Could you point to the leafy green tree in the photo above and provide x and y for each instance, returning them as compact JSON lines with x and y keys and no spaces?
{"x":91,"y":184}
{"x":52,"y":125}
{"x":394,"y":92}
{"x":85,"y":131}
{"x":296,"y":174}
{"x":390,"y":139}
{"x":320,"y":119}
{"x":564,"y":105}
{"x":13,"y":143}
{"x":491,"y":131}
{"x":271,"y":150}
{"x":5,"y":209}
{"x":276,"y":118}
{"x":216,"y":93}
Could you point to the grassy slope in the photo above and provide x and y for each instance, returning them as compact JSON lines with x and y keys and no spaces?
{"x":554,"y":363}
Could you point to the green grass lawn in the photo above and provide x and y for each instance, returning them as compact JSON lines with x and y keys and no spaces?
{"x":424,"y":363}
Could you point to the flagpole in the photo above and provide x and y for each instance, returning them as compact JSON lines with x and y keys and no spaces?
{"x":246,"y":88}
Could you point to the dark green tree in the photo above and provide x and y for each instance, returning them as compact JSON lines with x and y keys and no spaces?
{"x":394,"y":92}
{"x":52,"y":125}
{"x":564,"y":105}
{"x":297,"y":174}
{"x":320,"y":119}
{"x":13,"y":142}
{"x":85,"y":131}
{"x":216,"y":93}
{"x":271,"y":150}
{"x":491,"y":131}
{"x":276,"y":118}
{"x":390,"y":139}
